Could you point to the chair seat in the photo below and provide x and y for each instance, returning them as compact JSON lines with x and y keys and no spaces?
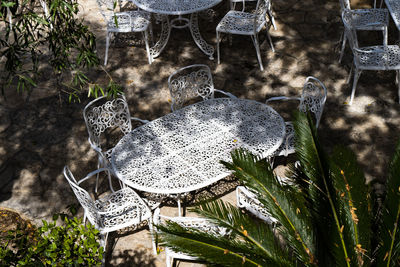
{"x":378,"y":58}
{"x":238,"y":22}
{"x":130,"y":21}
{"x":115,"y":217}
{"x":152,"y":200}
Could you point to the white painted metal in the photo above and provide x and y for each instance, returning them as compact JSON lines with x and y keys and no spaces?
{"x":180,"y":152}
{"x":232,"y":5}
{"x":190,"y":82}
{"x":313,"y":97}
{"x":244,"y":23}
{"x":113,"y":212}
{"x":179,"y":8}
{"x":119,"y":22}
{"x":197,"y":223}
{"x":102,"y":114}
{"x":379,"y":57}
{"x":372,"y":19}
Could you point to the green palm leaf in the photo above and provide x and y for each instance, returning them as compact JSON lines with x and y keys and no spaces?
{"x":247,"y":246}
{"x":389,"y":251}
{"x":315,"y":164}
{"x":286,"y":204}
{"x":354,"y":203}
{"x":258,"y":235}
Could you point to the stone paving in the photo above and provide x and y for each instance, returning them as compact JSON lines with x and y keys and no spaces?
{"x":41,"y":135}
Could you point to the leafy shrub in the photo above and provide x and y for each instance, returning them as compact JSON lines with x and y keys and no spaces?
{"x":70,"y":244}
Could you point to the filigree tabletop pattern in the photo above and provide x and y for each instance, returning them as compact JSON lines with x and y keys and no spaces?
{"x":180,"y":152}
{"x":175,"y":7}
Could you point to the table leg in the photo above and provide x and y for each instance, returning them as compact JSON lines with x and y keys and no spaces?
{"x":156,"y":50}
{"x":201,"y":43}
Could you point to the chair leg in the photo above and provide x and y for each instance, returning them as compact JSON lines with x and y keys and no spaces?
{"x":146,"y":41}
{"x":152,"y":233}
{"x":97,"y":176}
{"x":344,"y":39}
{"x":178,"y":200}
{"x":385,"y":36}
{"x":349,"y":77}
{"x":110,"y":181}
{"x":398,"y":83}
{"x":357,"y":74}
{"x":218,"y":55}
{"x":108,"y":37}
{"x":257,"y":46}
{"x":270,"y":41}
{"x":272,"y":18}
{"x":168,"y":261}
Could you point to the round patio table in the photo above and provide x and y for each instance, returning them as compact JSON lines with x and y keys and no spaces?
{"x":181,"y":151}
{"x":179,"y":8}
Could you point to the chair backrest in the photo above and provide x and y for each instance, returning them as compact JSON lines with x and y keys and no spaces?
{"x":345,"y":4}
{"x":109,"y":5}
{"x":261,"y":14}
{"x":349,"y":29}
{"x":313,"y":98}
{"x":190,"y":82}
{"x":104,"y":113}
{"x":84,"y":198}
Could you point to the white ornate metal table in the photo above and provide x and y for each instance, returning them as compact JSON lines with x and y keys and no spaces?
{"x":180,"y":152}
{"x":179,"y":8}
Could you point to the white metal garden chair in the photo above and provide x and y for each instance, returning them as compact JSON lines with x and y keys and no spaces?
{"x":232,"y":4}
{"x":245,"y":23}
{"x":120,"y":209}
{"x":123,"y":22}
{"x":312,"y":98}
{"x":102,"y":114}
{"x":379,"y":57}
{"x":372,"y":19}
{"x":191,"y":82}
{"x":248,"y":200}
{"x":197,"y":223}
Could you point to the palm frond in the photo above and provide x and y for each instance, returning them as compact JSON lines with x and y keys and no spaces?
{"x":210,"y":247}
{"x":353,"y":202}
{"x":388,"y":253}
{"x":258,"y":235}
{"x":285,"y":204}
{"x":315,"y":164}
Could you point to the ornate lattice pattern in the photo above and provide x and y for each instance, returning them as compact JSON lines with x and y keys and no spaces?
{"x":192,"y":223}
{"x":180,"y":152}
{"x":374,"y":19}
{"x":175,"y":7}
{"x":113,"y":212}
{"x":129,"y":21}
{"x":394,"y":7}
{"x":313,"y":97}
{"x":190,"y":82}
{"x":102,"y":114}
{"x":381,"y":57}
{"x":245,"y":23}
{"x":249,"y":201}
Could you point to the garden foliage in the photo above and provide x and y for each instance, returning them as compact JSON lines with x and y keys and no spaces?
{"x":69,"y":244}
{"x":327,"y":216}
{"x":37,"y":34}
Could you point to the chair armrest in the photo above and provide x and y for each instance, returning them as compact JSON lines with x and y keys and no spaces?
{"x":137,"y":119}
{"x":285,"y":98}
{"x":225,"y":93}
{"x":91,"y":174}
